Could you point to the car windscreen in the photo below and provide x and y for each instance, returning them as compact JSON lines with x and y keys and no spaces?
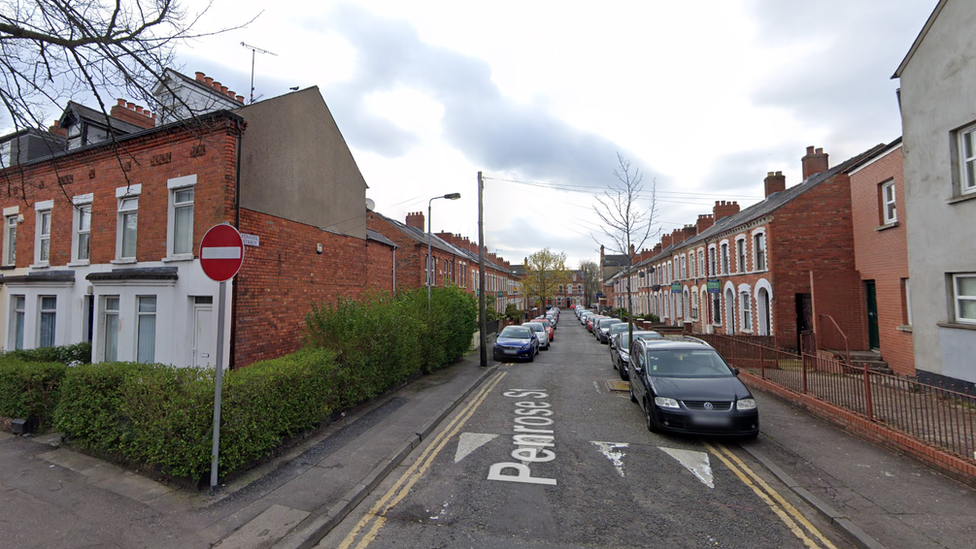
{"x":534,"y":326}
{"x":515,"y":332}
{"x":686,"y":363}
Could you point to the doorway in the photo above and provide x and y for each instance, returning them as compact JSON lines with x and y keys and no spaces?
{"x":204,"y":344}
{"x":874,"y":336}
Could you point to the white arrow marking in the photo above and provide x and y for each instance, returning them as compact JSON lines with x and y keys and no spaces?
{"x":609,"y":449}
{"x":221,"y":252}
{"x":469,"y":442}
{"x":696,"y":462}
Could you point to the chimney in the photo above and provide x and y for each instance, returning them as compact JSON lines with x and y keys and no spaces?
{"x":690,"y":231}
{"x":133,"y":114}
{"x":814,"y":162}
{"x":657,"y":248}
{"x":677,"y":236}
{"x":724,"y":209}
{"x":416,"y":220}
{"x":704,"y":222}
{"x":666,"y":241}
{"x":775,"y":182}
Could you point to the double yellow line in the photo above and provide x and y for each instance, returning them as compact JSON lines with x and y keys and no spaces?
{"x":377,"y":514}
{"x":796,"y":522}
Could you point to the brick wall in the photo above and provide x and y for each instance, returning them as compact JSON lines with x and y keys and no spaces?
{"x":881,"y":255}
{"x":283,"y":277}
{"x":210,"y":154}
{"x":379,"y":267}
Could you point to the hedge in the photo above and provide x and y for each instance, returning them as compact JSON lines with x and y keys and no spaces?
{"x":29,"y":389}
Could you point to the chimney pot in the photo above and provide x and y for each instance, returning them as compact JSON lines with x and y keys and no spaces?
{"x":208,"y":80}
{"x":131,"y":106}
{"x":139,"y":109}
{"x":814,"y":162}
{"x":810,"y":149}
{"x":121,"y":102}
{"x":200,"y":76}
{"x":240,"y":98}
{"x":223,"y":90}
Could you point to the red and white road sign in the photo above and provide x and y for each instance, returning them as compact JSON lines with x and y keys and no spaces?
{"x":221,"y":252}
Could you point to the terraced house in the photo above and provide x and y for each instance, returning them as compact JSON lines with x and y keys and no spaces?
{"x":100,"y":239}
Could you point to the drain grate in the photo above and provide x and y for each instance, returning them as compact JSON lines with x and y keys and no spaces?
{"x":617,"y":385}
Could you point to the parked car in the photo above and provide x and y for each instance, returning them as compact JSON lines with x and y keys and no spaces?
{"x":617,"y":328}
{"x":540,"y":331}
{"x":516,"y":342}
{"x":602,"y":330}
{"x":686,"y":386}
{"x":550,"y":329}
{"x":620,"y":348}
{"x":591,"y":320}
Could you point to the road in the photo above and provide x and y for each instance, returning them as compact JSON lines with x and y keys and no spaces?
{"x":552,"y":454}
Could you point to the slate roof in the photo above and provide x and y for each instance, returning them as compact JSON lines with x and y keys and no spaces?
{"x":82,"y":112}
{"x":770,"y":204}
{"x":378,"y":237}
{"x":615,"y":260}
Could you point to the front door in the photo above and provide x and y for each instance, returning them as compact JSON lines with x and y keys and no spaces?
{"x":874,"y":338}
{"x":804,"y":322}
{"x":204,"y":343}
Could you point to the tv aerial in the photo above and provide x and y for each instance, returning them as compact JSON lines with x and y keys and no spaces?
{"x":254,"y":51}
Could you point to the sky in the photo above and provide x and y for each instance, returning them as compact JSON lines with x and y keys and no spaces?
{"x":701,"y":98}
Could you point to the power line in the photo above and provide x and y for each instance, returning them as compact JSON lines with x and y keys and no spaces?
{"x":599,"y":190}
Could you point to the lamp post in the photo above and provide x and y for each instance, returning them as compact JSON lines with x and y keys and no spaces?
{"x":430,"y":273}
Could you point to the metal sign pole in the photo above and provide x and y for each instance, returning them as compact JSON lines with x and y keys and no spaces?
{"x":221,"y":299}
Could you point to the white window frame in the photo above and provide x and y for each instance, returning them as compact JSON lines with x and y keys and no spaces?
{"x":958,"y":298}
{"x":18,"y":319}
{"x":741,"y":257}
{"x":176,"y":187}
{"x":41,"y":312}
{"x":889,"y":210}
{"x":82,"y":209}
{"x":760,"y":251}
{"x":702,"y":271}
{"x":104,"y":314}
{"x":713,"y":263}
{"x":11,"y":217}
{"x":967,"y":160}
{"x":126,"y":195}
{"x":42,"y":240}
{"x":143,"y":315}
{"x":684,"y":266}
{"x":745,"y":310}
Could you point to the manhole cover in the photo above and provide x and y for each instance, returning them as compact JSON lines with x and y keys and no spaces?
{"x":617,"y":385}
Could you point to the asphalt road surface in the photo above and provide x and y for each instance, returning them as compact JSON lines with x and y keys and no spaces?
{"x":550,"y":454}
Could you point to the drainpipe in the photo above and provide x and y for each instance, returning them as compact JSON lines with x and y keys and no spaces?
{"x":231,"y":356}
{"x":394,"y":271}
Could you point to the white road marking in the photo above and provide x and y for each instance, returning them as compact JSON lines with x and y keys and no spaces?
{"x":696,"y":462}
{"x":469,"y":442}
{"x":610,"y":449}
{"x":597,"y":387}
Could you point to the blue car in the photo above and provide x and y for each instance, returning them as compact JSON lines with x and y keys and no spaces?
{"x":516,"y":342}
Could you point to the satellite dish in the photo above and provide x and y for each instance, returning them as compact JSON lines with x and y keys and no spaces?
{"x":370,"y":205}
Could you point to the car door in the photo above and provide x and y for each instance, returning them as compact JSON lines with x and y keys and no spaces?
{"x":635,"y":370}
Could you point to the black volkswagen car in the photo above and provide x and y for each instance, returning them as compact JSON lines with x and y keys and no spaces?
{"x":685,"y":386}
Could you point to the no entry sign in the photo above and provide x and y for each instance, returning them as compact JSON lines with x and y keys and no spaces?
{"x":221,"y":252}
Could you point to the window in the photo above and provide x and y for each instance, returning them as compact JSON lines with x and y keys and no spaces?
{"x":146,"y":329}
{"x":694,"y":305}
{"x":128,"y":225}
{"x":701,"y":263}
{"x":181,"y":212}
{"x":907,"y":296}
{"x":49,"y":306}
{"x":964,"y":297}
{"x":10,"y":240}
{"x":888,"y":212}
{"x":42,"y":249}
{"x":712,"y":268}
{"x":18,"y":304}
{"x":725,"y":258}
{"x":111,"y":320}
{"x":746,"y":308}
{"x":740,"y":255}
{"x":691,"y":265}
{"x":759,"y":245}
{"x":684,"y":266}
{"x":716,"y":308}
{"x":81,"y":231}
{"x":967,"y":159}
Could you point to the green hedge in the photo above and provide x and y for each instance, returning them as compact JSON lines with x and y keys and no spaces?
{"x":29,"y":389}
{"x":163,"y":415}
{"x":79,"y":353}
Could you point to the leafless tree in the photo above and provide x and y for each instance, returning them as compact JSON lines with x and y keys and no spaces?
{"x":591,"y":280}
{"x":55,"y":50}
{"x":629,"y":215}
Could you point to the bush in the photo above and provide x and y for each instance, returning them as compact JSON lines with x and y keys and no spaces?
{"x":29,"y":389}
{"x":162,"y":416}
{"x":79,"y":353}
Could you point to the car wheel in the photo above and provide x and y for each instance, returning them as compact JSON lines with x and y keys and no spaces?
{"x":532,"y":358}
{"x":633,"y":397}
{"x":651,"y":425}
{"x":623,"y":374}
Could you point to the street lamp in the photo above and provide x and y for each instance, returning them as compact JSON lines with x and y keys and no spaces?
{"x":430,"y":273}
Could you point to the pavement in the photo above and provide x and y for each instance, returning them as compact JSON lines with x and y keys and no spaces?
{"x":55,"y":497}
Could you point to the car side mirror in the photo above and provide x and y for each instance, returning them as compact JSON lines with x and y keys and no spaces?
{"x":735,"y":371}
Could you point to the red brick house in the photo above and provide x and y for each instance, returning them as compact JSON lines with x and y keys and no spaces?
{"x":101,"y":241}
{"x":881,"y":254}
{"x":783,"y":267}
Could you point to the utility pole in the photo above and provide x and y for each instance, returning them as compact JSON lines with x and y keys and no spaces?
{"x":482,"y":309}
{"x":255,"y":50}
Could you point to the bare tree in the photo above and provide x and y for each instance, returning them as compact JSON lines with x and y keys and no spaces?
{"x":591,"y":280}
{"x":54,"y":50}
{"x":627,"y":222}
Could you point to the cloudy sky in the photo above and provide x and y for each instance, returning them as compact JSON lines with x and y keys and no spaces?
{"x":703,"y":98}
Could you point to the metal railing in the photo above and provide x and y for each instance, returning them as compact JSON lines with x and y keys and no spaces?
{"x":939,"y":416}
